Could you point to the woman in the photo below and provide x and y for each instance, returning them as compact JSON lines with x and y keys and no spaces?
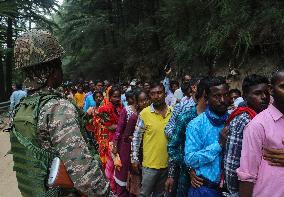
{"x":106,"y":120}
{"x":93,"y":126}
{"x":122,"y":142}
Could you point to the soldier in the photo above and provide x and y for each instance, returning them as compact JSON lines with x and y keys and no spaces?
{"x":46,"y":126}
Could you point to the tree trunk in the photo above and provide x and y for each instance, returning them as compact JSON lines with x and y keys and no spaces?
{"x":9,"y":56}
{"x":2,"y":85}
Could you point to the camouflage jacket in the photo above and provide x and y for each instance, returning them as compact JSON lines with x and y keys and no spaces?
{"x":59,"y":132}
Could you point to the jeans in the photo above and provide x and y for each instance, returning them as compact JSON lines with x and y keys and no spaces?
{"x":203,"y":191}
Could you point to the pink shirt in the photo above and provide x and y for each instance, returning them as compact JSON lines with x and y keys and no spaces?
{"x":266,"y":130}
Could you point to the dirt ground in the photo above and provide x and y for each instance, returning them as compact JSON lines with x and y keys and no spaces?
{"x":8,"y":182}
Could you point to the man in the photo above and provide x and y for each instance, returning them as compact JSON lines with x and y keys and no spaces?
{"x":14,"y":87}
{"x":16,"y":96}
{"x":146,"y":87}
{"x":150,"y":127}
{"x":99,"y":86}
{"x":187,"y":78}
{"x":123,"y":97}
{"x":256,"y":95}
{"x":170,"y":98}
{"x":260,"y":175}
{"x":51,"y":124}
{"x":184,"y":92}
{"x":181,"y":107}
{"x":178,"y":172}
{"x":234,"y":94}
{"x":235,"y":99}
{"x":203,"y":146}
{"x":80,"y":97}
{"x":89,"y":98}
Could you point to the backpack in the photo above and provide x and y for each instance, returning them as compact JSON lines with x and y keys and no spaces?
{"x":31,"y":162}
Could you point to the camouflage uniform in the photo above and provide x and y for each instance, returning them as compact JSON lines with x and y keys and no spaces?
{"x":59,"y":132}
{"x":58,"y":123}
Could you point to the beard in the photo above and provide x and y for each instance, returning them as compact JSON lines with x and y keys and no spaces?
{"x":158,"y":103}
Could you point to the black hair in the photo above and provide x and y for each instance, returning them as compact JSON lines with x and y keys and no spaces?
{"x":237,"y":91}
{"x":155,"y":84}
{"x":124,"y":84}
{"x":214,"y":81}
{"x":113,"y":90}
{"x":138,"y":92}
{"x":174,"y":83}
{"x":253,"y":80}
{"x":201,"y":86}
{"x":274,"y":75}
{"x":195,"y":81}
{"x":129,"y":94}
{"x":98,"y":92}
{"x":98,"y":81}
{"x":19,"y":86}
{"x":185,"y":86}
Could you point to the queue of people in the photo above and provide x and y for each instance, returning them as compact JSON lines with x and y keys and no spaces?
{"x":152,"y":143}
{"x":161,"y":138}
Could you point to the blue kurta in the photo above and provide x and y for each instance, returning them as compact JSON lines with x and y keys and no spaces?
{"x":202,"y":149}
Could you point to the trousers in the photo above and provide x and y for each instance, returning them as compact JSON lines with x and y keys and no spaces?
{"x":153,"y":182}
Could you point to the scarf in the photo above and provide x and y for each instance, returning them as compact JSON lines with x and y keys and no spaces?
{"x":241,"y":110}
{"x":214,"y":119}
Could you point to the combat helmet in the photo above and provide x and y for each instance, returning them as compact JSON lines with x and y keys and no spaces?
{"x":36,"y":47}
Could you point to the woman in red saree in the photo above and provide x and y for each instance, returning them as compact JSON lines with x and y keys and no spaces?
{"x":106,"y":121}
{"x":92,"y":125}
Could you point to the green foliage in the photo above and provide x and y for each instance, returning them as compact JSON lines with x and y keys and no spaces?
{"x":108,"y":39}
{"x":17,"y":16}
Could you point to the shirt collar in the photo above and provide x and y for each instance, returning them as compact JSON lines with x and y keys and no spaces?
{"x":152,"y":109}
{"x":274,"y":112}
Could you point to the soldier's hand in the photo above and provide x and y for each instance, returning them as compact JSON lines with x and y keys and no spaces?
{"x":195,"y":180}
{"x":169,"y":184}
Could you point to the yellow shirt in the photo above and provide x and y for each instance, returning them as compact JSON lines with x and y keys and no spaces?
{"x":155,"y":154}
{"x":79,"y":99}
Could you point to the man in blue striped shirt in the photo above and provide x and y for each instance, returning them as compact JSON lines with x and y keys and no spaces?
{"x":183,"y":106}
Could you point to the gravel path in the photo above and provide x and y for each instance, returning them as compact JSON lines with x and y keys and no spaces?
{"x":8,"y":182}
